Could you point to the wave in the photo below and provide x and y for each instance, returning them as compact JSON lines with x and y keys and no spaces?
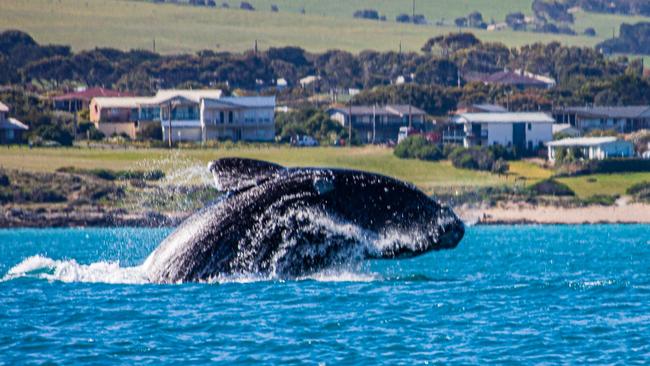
{"x":70,"y":271}
{"x":41,"y":267}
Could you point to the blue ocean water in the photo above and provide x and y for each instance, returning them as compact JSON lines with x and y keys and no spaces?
{"x":523,"y":294}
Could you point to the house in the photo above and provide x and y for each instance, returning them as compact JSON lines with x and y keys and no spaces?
{"x":238,"y":118}
{"x":517,"y":79}
{"x":379,"y":124}
{"x":592,"y":148}
{"x":624,"y":119}
{"x":80,"y":99}
{"x":196,"y":115}
{"x":11,"y":129}
{"x":524,"y":130}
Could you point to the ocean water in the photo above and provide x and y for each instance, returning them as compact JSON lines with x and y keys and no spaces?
{"x":507,"y":295}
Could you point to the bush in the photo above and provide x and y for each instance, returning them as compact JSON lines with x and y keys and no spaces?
{"x":476,"y":158}
{"x":636,"y":188}
{"x":55,"y":133}
{"x":600,"y":199}
{"x":246,"y":6}
{"x":89,"y":130}
{"x":4,"y":180}
{"x":551,"y":187}
{"x":417,"y":147}
{"x":367,"y":14}
{"x":500,"y":167}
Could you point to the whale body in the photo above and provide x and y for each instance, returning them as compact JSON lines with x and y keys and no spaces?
{"x":282,"y":222}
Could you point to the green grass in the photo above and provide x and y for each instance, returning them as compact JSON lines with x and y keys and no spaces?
{"x":428,"y":176}
{"x":604,"y":184}
{"x":328,"y":24}
{"x":529,"y":170}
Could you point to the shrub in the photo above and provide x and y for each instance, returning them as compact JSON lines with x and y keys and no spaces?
{"x":403,"y":18}
{"x":274,"y":8}
{"x":246,"y":6}
{"x":600,"y":199}
{"x":636,"y":188}
{"x":477,"y":158}
{"x":367,"y":14}
{"x":551,"y":187}
{"x":4,"y":180}
{"x":55,"y":133}
{"x":500,"y":167}
{"x":417,"y":147}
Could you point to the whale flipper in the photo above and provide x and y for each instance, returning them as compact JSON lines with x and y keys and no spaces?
{"x":234,"y":174}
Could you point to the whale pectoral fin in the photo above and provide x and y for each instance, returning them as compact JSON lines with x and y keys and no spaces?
{"x":231,"y":174}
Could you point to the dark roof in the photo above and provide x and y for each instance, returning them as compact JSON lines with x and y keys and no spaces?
{"x":13,"y":124}
{"x":91,"y":93}
{"x":610,"y":111}
{"x":390,"y":109}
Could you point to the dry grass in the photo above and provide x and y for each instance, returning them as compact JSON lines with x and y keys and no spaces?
{"x":327,"y":24}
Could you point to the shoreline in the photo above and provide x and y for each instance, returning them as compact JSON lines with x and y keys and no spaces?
{"x":504,"y":214}
{"x":526,"y":214}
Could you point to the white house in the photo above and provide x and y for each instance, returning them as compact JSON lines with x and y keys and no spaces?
{"x":238,"y":118}
{"x":525,"y":130}
{"x":592,"y":148}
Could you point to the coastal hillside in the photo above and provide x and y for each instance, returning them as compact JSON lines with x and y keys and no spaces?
{"x":313,"y":25}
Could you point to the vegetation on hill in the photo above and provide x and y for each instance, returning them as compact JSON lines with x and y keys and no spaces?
{"x":632,"y":39}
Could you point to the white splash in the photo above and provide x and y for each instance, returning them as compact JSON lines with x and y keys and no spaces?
{"x":70,"y":271}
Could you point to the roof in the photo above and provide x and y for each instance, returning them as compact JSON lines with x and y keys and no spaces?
{"x":492,"y":108}
{"x":3,"y":107}
{"x":584,"y":141}
{"x":506,"y":78}
{"x":91,"y":93}
{"x":13,"y":124}
{"x":123,"y":102}
{"x":161,"y":97}
{"x":193,"y":95}
{"x":642,"y":111}
{"x":391,"y":109}
{"x":505,"y":117}
{"x":247,"y":102}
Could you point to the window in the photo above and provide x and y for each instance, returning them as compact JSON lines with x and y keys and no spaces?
{"x":530,"y":126}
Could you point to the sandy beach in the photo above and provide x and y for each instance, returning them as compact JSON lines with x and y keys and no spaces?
{"x":512,"y":213}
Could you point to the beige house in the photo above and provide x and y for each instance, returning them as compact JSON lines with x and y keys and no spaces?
{"x":188,"y":115}
{"x":116,"y":115}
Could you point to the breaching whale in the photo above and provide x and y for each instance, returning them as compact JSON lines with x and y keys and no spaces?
{"x":286,"y":222}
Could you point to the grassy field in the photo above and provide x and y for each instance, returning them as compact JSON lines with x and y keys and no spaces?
{"x":608,"y":184}
{"x":430,"y":177}
{"x":123,"y":24}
